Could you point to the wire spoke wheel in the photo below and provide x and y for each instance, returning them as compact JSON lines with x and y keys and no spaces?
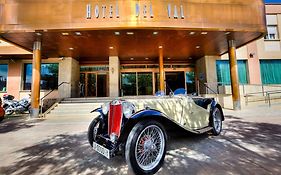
{"x":149,"y":147}
{"x":217,"y":121}
{"x":93,"y":130}
{"x":146,"y":147}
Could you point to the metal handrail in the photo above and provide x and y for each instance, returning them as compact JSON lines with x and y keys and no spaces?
{"x":268,"y":96}
{"x":200,"y":82}
{"x":254,"y":93}
{"x":263,"y":87}
{"x":41,"y":99}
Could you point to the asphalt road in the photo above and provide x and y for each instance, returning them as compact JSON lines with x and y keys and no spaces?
{"x":249,"y":144}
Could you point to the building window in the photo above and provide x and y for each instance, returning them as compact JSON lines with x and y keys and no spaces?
{"x":94,"y":68}
{"x":129,"y":84}
{"x":270,"y":71}
{"x":49,"y":76}
{"x":272,"y":33}
{"x":223,"y":72}
{"x":190,"y":82}
{"x":3,"y":77}
{"x":145,"y":84}
{"x":139,"y":83}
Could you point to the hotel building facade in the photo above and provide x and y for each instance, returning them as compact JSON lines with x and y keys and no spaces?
{"x":135,"y":48}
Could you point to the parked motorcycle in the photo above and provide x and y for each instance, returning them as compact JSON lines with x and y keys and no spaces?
{"x":10,"y":105}
{"x":2,"y":111}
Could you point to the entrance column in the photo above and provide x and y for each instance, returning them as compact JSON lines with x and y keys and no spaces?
{"x":234,"y":75}
{"x":161,"y":69}
{"x":114,"y":76}
{"x":36,"y":76}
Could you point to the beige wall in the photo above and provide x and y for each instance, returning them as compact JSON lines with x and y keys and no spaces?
{"x":206,"y":72}
{"x":270,"y":49}
{"x":201,"y":74}
{"x":241,"y":53}
{"x":253,"y":64}
{"x":14,"y":78}
{"x":114,"y":70}
{"x":261,"y":49}
{"x":69,"y":72}
{"x":211,"y":73}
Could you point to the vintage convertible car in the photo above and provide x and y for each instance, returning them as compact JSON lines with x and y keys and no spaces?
{"x":137,"y":127}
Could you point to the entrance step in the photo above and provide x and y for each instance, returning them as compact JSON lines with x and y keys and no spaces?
{"x":86,"y":100}
{"x":77,"y":107}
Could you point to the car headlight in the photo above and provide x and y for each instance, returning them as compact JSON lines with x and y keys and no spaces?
{"x":128,"y":109}
{"x":105,"y":108}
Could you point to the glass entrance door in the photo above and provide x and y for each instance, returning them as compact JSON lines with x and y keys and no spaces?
{"x":174,"y":80}
{"x":93,"y":84}
{"x":136,"y":83}
{"x":101,"y":88}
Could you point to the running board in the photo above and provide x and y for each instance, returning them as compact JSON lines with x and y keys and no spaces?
{"x":203,"y":130}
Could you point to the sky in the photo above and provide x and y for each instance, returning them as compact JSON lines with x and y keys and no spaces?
{"x":272,"y":1}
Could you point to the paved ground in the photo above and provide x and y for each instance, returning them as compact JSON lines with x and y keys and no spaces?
{"x":250,"y":144}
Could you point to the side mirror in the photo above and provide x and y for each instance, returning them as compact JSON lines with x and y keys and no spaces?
{"x":194,"y":94}
{"x":171,"y":94}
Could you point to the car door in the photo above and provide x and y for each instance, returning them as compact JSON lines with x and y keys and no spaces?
{"x":172,"y":107}
{"x":194,"y":116}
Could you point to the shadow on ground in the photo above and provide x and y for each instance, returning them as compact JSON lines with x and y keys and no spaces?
{"x":243,"y":148}
{"x":16,"y":123}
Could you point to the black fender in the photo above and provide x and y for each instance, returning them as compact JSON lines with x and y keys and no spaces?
{"x":146,"y":114}
{"x":214,"y":105}
{"x":97,"y":110}
{"x":102,"y":118}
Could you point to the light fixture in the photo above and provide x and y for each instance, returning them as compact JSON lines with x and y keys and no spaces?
{"x":78,"y":33}
{"x":130,"y":33}
{"x":155,"y":33}
{"x":190,"y":58}
{"x":169,"y":58}
{"x":131,"y":58}
{"x":65,"y":33}
{"x":160,"y":47}
{"x":204,"y":33}
{"x":117,"y":33}
{"x":227,"y":33}
{"x":71,"y":48}
{"x":197,"y":47}
{"x":38,"y":33}
{"x":192,"y":33}
{"x":61,"y":58}
{"x":111,"y":47}
{"x":252,"y":55}
{"x":147,"y":58}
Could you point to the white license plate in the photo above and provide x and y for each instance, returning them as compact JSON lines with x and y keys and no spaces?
{"x":102,"y":150}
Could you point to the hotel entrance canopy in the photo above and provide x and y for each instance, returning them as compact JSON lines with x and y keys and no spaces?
{"x":96,"y":29}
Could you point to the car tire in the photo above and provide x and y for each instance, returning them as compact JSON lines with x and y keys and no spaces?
{"x":93,"y":130}
{"x":140,"y":143}
{"x":216,"y":121}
